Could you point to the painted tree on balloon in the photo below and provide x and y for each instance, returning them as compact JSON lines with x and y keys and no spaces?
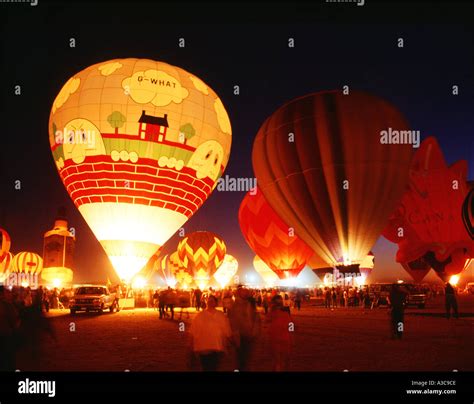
{"x":428,"y":223}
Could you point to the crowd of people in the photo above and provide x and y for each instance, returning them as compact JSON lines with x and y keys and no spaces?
{"x":22,"y":322}
{"x":235,"y":327}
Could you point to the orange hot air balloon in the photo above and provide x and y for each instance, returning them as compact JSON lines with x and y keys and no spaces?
{"x":5,"y":255}
{"x":332,"y":167}
{"x":27,"y":262}
{"x":183,"y":275}
{"x":202,"y":252}
{"x":271,"y":239}
{"x":139,"y":146}
{"x":427,"y":224}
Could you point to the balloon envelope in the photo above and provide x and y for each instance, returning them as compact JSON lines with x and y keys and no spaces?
{"x":226,"y":270}
{"x":201,"y":252}
{"x":139,"y":146}
{"x":271,"y":239}
{"x":329,"y":166}
{"x":428,"y":223}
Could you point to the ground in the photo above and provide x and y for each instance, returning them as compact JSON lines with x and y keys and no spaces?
{"x":324,"y":340}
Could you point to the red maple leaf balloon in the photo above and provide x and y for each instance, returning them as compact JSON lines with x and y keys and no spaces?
{"x":428,"y":221}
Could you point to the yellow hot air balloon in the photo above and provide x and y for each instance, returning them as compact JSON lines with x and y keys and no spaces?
{"x":269,"y":277}
{"x":139,"y":145}
{"x":226,"y":271}
{"x":201,"y":252}
{"x":27,"y":262}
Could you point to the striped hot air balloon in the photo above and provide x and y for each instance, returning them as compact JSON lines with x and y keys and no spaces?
{"x":202,"y":252}
{"x":271,"y":238}
{"x":5,"y":255}
{"x":337,"y":179}
{"x":27,"y":262}
{"x":183,"y":275}
{"x":5,"y":265}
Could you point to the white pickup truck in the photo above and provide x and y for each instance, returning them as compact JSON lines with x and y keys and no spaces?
{"x":93,"y":298}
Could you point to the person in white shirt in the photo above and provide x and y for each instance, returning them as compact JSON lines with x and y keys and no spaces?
{"x":210,"y":334}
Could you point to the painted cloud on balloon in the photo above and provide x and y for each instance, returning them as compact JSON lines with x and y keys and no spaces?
{"x":70,"y":87}
{"x":155,"y":87}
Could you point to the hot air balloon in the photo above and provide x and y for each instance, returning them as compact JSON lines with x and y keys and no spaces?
{"x":165,"y":269}
{"x":333,"y":167}
{"x":271,"y":239}
{"x":428,"y":223}
{"x":139,"y":146}
{"x":5,"y":255}
{"x":183,"y":275}
{"x":27,"y":263}
{"x":202,"y":252}
{"x":58,"y":251}
{"x":226,"y":270}
{"x":468,"y":211}
{"x":269,"y":277}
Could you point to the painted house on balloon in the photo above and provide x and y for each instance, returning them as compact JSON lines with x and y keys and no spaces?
{"x":153,"y":128}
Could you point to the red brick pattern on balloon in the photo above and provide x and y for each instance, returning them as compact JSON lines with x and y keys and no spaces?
{"x":144,"y":183}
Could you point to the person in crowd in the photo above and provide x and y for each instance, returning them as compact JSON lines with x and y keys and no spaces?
{"x":162,"y":298}
{"x":197,"y":297}
{"x":450,"y":301}
{"x":327,"y":298}
{"x":156,"y":297}
{"x":245,"y":325}
{"x":227,"y":300}
{"x":9,"y":323}
{"x":397,"y":299}
{"x":279,"y":334}
{"x":298,"y":299}
{"x":210,"y":335}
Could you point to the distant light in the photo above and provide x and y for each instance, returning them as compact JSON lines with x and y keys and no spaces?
{"x":56,"y":283}
{"x":139,"y":282}
{"x":25,"y":284}
{"x":454,"y":280}
{"x":400,"y":281}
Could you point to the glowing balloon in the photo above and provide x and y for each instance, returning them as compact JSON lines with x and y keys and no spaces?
{"x":269,"y":277}
{"x":226,"y":271}
{"x":271,"y":239}
{"x":329,"y":166}
{"x":428,"y":222}
{"x":165,"y":269}
{"x":139,"y":146}
{"x":202,"y":252}
{"x":27,"y":262}
{"x":183,"y":275}
{"x":5,"y":255}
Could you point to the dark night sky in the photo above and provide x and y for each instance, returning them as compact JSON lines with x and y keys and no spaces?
{"x":336,"y":44}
